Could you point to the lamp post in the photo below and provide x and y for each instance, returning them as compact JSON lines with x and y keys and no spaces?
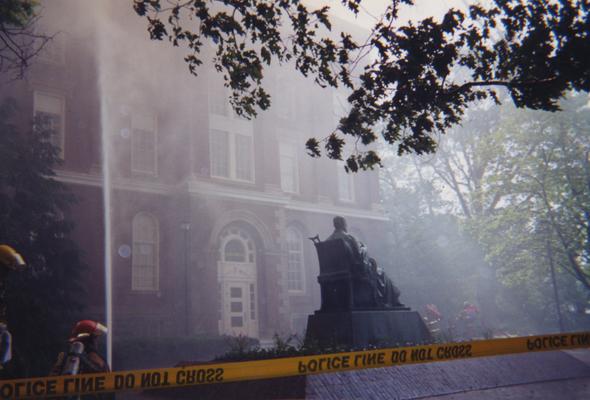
{"x":186,"y":227}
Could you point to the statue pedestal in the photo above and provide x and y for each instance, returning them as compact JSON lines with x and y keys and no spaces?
{"x":363,"y":328}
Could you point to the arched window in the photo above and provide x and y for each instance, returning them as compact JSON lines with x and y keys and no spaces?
{"x":145,"y":259}
{"x":235,"y":251}
{"x":237,"y":246}
{"x":295,"y":260}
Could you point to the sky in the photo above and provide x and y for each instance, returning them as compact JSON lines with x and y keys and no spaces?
{"x":371,"y":10}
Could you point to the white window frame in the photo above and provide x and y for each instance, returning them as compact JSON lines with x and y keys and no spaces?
{"x":289,"y":150}
{"x":156,"y":244}
{"x":37,"y":108}
{"x":232,"y":156}
{"x":300,"y":288}
{"x":134,"y":169}
{"x":349,"y":196}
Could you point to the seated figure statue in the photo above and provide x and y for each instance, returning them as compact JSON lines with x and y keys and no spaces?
{"x":386,"y":293}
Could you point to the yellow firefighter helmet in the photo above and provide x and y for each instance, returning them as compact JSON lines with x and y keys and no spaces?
{"x":9,"y":258}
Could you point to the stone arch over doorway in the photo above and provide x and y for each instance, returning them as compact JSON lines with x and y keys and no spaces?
{"x":249,"y":221}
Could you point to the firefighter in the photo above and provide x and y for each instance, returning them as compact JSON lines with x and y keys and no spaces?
{"x":10,"y":260}
{"x":83,"y":356}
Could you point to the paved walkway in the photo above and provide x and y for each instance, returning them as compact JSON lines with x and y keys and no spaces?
{"x":548,"y":375}
{"x":554,"y":390}
{"x":570,"y":389}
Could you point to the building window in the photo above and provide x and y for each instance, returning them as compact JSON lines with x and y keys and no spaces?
{"x":54,"y":51}
{"x":235,"y":251}
{"x":231,"y":155}
{"x":237,"y":246}
{"x":345,"y":184}
{"x":289,"y":168}
{"x":219,"y":143}
{"x":49,"y":110}
{"x":340,"y":106}
{"x":294,"y":261}
{"x":243,"y":157}
{"x":144,"y":144}
{"x":218,"y":99}
{"x":145,"y":259}
{"x":286,"y":99}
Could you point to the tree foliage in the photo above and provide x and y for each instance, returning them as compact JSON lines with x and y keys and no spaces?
{"x":19,"y":42}
{"x":519,"y":181}
{"x":555,"y":182}
{"x":421,"y":77}
{"x":43,"y":301}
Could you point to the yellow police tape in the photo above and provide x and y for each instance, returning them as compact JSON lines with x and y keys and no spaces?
{"x":282,"y":367}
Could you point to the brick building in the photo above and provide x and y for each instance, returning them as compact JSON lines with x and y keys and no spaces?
{"x":210,"y":213}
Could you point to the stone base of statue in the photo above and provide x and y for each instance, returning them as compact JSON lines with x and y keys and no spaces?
{"x":363,"y":328}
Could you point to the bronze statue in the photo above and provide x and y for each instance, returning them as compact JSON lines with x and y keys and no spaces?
{"x":384,"y":294}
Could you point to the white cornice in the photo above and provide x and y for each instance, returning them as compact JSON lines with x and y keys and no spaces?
{"x":335,"y":210}
{"x":136,"y":185}
{"x":209,"y":189}
{"x":78,"y":178}
{"x":214,"y":190}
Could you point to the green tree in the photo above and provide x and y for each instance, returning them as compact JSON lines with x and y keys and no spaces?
{"x":520,"y":180}
{"x":43,"y":301}
{"x":553,"y":191}
{"x":421,"y":78}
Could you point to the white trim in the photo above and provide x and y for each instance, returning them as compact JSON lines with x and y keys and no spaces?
{"x":78,"y":178}
{"x":240,"y":215}
{"x":208,"y":189}
{"x":84,"y":179}
{"x":335,"y":210}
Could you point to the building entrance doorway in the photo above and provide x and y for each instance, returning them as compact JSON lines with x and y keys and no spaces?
{"x":237,"y":277}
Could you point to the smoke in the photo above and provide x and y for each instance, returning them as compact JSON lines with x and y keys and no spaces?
{"x":186,"y":175}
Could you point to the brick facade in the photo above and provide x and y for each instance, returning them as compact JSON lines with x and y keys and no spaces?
{"x":104,"y":91}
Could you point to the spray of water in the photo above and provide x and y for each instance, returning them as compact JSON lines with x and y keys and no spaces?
{"x":106,"y":190}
